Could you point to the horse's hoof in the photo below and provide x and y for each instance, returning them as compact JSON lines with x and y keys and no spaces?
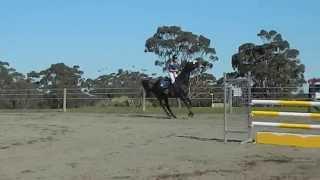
{"x":174,"y":117}
{"x":190,"y":114}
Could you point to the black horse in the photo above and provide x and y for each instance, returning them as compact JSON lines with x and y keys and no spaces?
{"x":178,"y":90}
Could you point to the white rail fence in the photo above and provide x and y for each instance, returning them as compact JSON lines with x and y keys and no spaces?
{"x":72,"y":97}
{"x":76,"y":97}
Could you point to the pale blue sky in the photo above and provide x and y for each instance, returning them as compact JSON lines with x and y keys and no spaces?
{"x":101,"y":35}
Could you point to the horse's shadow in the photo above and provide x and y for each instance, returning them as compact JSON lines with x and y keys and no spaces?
{"x":158,"y":117}
{"x":209,"y":139}
{"x":149,"y":116}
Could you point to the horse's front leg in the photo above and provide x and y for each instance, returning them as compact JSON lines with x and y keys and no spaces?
{"x":168,"y":107}
{"x":190,"y":106}
{"x":187,"y":102}
{"x":164,"y":108}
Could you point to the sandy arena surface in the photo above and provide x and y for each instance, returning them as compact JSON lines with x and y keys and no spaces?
{"x":84,"y":146}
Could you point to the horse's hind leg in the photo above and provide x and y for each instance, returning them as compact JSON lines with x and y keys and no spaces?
{"x":168,"y":107}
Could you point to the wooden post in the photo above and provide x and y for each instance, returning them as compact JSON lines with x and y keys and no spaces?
{"x":249,"y":121}
{"x":143,"y":100}
{"x":230,"y":98}
{"x":179,"y":103}
{"x":212,"y":101}
{"x":225,"y":107}
{"x":65,"y":100}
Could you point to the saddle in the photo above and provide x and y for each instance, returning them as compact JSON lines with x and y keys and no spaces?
{"x":165,"y":83}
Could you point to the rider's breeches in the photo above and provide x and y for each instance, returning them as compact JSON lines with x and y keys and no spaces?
{"x":173,"y":76}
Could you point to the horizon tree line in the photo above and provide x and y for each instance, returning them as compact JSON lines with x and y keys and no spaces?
{"x":273,"y":63}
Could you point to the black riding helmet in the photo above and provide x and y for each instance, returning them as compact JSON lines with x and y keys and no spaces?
{"x":174,"y":57}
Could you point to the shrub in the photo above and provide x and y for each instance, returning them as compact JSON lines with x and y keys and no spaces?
{"x":122,"y":101}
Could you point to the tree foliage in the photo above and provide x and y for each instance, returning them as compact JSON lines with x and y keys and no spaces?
{"x":58,"y":76}
{"x":54,"y":79}
{"x":123,"y":78}
{"x":11,"y":82}
{"x":201,"y":83}
{"x":9,"y":76}
{"x":272,"y":64}
{"x":171,"y":41}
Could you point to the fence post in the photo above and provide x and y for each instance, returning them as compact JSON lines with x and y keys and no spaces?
{"x":249,"y":81}
{"x":179,"y":103}
{"x":64,"y":99}
{"x":143,"y":100}
{"x":212,"y":100}
{"x":230,"y":98}
{"x":225,"y":107}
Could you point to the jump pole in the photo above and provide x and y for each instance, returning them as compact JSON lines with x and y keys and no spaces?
{"x":288,"y":114}
{"x":287,"y":139}
{"x":286,"y":103}
{"x":286,"y":125}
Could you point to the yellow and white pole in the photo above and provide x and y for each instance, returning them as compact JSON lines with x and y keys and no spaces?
{"x":290,"y":114}
{"x":286,"y":125}
{"x":285,"y":103}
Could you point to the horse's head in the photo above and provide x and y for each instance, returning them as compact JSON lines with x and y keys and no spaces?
{"x":190,"y":66}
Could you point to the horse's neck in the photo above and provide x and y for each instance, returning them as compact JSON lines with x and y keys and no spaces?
{"x":183,"y":77}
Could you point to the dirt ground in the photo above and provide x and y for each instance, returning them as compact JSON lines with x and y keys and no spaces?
{"x":84,"y":146}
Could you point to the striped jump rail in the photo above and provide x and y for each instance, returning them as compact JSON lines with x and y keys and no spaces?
{"x":286,"y":103}
{"x":289,"y":114}
{"x":286,"y":125}
{"x":288,"y":139}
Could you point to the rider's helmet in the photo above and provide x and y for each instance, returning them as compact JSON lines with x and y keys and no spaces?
{"x":174,"y":58}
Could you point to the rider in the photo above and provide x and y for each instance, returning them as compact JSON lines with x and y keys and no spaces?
{"x":173,"y":68}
